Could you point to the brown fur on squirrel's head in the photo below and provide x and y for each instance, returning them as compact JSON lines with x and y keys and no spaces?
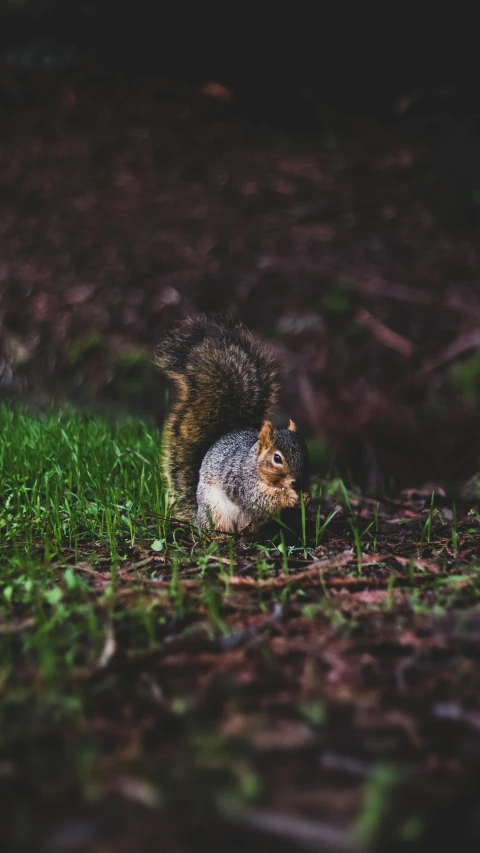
{"x":283,"y":463}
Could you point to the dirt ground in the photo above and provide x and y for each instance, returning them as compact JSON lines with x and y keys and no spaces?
{"x":331,"y":704}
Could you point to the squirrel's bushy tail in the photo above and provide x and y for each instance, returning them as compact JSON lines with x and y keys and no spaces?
{"x":224,"y":380}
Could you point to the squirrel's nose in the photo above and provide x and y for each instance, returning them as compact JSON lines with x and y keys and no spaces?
{"x":300,"y":486}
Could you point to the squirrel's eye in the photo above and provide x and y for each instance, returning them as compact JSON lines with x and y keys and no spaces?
{"x":277,"y":459}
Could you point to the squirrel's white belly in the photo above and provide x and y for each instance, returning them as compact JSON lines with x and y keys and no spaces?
{"x":226,"y":516}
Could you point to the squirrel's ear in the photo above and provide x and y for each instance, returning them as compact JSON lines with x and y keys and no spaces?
{"x":267,"y":436}
{"x":292,"y":426}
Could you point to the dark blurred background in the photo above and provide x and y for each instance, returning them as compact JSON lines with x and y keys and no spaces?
{"x":314,"y":171}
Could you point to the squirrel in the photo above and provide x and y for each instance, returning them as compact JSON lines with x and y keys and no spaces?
{"x":226,"y":466}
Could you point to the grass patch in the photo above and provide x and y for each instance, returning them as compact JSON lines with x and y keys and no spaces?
{"x":75,"y":489}
{"x":67,"y":478}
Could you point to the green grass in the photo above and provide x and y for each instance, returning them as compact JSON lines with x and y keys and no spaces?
{"x":68,"y":478}
{"x":74,"y":488}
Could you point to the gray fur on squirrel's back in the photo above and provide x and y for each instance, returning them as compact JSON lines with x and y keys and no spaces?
{"x":228,"y":476}
{"x":230,"y":462}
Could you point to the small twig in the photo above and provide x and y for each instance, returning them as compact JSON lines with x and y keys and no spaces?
{"x":453,"y":711}
{"x":109,"y":649}
{"x":383,"y":334}
{"x":232,"y":641}
{"x":315,"y":834}
{"x":17,"y":627}
{"x":344,"y":764}
{"x":141,"y":563}
{"x":131,"y":450}
{"x":462,"y":343}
